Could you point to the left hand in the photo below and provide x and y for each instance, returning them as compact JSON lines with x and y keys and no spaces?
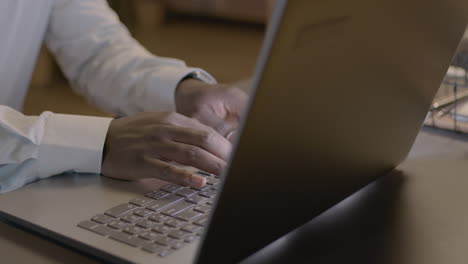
{"x":219,"y":106}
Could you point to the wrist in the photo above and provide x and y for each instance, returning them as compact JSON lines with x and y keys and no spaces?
{"x":105,"y":147}
{"x":194,"y":79}
{"x":188,"y":84}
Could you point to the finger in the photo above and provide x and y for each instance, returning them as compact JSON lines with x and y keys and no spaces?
{"x":208,"y":118}
{"x":223,"y":126}
{"x":231,"y":136}
{"x":168,"y":172}
{"x":237,"y":102}
{"x":192,"y":156}
{"x":203,"y":137}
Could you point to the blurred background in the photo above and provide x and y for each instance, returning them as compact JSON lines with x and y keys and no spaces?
{"x":220,"y":36}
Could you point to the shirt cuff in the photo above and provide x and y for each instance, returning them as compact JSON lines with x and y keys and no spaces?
{"x":169,"y":77}
{"x":72,"y":143}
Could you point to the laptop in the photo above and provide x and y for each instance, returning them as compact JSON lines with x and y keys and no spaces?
{"x":340,"y":91}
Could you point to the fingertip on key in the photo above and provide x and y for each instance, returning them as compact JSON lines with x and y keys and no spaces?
{"x":197,"y":181}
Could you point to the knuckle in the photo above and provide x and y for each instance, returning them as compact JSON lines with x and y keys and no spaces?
{"x":207,"y":137}
{"x":171,"y":117}
{"x":183,"y":178}
{"x":192,"y":154}
{"x":155,"y":133}
{"x":166,"y":171}
{"x":219,"y":167}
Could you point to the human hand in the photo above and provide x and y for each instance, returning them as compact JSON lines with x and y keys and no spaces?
{"x":143,"y":145}
{"x":216,"y":105}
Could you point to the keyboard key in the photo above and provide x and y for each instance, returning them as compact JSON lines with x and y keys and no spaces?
{"x":202,"y":208}
{"x":88,"y":224}
{"x":202,"y":220}
{"x":148,"y":235}
{"x":191,"y":228}
{"x":195,"y":199}
{"x":186,"y":192}
{"x":210,"y":202}
{"x":215,"y":186}
{"x":102,"y":219}
{"x":171,"y":188}
{"x":120,"y":210}
{"x":177,"y":245}
{"x":95,"y":227}
{"x":118,"y":224}
{"x":204,"y":173}
{"x":156,"y":206}
{"x":163,"y":202}
{"x":206,"y":187}
{"x":157,"y":194}
{"x":177,"y":208}
{"x":140,"y":201}
{"x":145,"y":223}
{"x":187,"y":215}
{"x":142,"y":212}
{"x":158,"y":217}
{"x":177,"y":234}
{"x":127,"y":239}
{"x":211,"y":180}
{"x":158,"y":222}
{"x":153,"y":248}
{"x":133,"y":230}
{"x":103,"y":230}
{"x":190,"y":239}
{"x":162,"y":229}
{"x":165,"y":241}
{"x":174,"y":223}
{"x":157,"y":249}
{"x":208,"y":193}
{"x":130,"y":218}
{"x":165,"y":253}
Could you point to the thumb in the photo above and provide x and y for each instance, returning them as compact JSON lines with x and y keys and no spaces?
{"x":226,"y":127}
{"x":223,"y":126}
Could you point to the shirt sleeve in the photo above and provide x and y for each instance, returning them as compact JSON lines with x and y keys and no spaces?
{"x":36,"y":147}
{"x":105,"y":64}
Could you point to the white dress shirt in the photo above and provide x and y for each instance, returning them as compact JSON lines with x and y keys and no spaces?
{"x":101,"y":61}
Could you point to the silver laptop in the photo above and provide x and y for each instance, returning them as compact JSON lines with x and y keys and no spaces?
{"x":339,"y":94}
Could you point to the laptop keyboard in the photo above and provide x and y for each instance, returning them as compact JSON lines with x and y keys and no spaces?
{"x":160,"y":223}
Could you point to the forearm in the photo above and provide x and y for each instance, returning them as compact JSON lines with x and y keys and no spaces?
{"x":35,"y":147}
{"x":104,"y":63}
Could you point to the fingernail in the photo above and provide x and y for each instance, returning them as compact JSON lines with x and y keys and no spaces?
{"x":231,"y":136}
{"x":197,"y":180}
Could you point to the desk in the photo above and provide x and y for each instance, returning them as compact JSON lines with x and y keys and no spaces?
{"x":419,"y":214}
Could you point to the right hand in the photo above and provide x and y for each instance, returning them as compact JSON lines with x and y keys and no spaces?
{"x":143,"y":146}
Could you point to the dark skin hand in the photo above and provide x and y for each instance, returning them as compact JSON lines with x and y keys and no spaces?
{"x":145,"y":145}
{"x":219,"y":106}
